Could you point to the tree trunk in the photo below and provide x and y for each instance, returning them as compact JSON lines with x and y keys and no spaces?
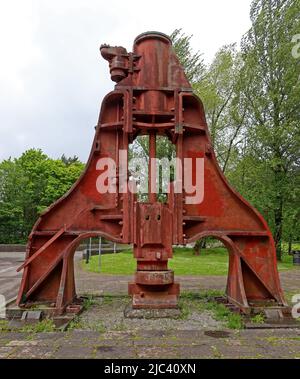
{"x":199,"y":245}
{"x":290,"y":244}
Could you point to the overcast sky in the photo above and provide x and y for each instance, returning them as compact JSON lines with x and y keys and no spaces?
{"x":52,"y":78}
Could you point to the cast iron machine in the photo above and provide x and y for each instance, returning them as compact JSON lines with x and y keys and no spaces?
{"x":152,"y":97}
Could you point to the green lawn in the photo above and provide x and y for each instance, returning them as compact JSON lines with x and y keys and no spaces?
{"x":211,"y":262}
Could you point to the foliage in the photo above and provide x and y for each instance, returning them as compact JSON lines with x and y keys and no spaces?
{"x":192,"y":63}
{"x":220,"y":92}
{"x":270,"y":90}
{"x":251,"y":101}
{"x":28,"y":185}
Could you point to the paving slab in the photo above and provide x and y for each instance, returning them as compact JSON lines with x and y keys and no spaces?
{"x":74,"y":352}
{"x":182,"y":344}
{"x":114,"y":352}
{"x":29,"y":352}
{"x":5,"y":351}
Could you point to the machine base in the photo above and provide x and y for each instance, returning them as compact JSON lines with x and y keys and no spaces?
{"x":154,"y":297}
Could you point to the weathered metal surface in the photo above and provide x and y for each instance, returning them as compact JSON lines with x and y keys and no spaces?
{"x":154,"y":97}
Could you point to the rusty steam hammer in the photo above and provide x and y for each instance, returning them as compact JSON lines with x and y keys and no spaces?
{"x":152,"y":97}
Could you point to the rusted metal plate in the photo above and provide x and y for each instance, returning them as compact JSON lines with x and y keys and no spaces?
{"x":145,"y":300}
{"x":154,"y":277}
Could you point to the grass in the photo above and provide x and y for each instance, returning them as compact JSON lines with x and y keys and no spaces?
{"x":46,"y":325}
{"x":258,"y":319}
{"x":76,"y":323}
{"x":206,"y":301}
{"x":222,"y":313}
{"x":4,"y":326}
{"x":88,"y":302}
{"x":212,"y":261}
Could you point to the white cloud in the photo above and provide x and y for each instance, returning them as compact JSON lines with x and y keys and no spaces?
{"x":52,"y":78}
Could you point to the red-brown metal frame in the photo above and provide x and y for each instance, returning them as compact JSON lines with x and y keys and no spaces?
{"x":153,"y":97}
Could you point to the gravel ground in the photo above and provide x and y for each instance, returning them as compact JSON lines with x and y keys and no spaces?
{"x":108,"y":314}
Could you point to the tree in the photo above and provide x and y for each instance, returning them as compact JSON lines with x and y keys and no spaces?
{"x":219,"y":90}
{"x":11,"y":210}
{"x":69,"y":160}
{"x":192,"y":63}
{"x":271,"y":93}
{"x":28,"y":185}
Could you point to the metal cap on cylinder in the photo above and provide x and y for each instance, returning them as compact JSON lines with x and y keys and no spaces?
{"x":152,"y":34}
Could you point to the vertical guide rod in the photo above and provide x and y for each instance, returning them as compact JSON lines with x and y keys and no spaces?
{"x":152,"y":168}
